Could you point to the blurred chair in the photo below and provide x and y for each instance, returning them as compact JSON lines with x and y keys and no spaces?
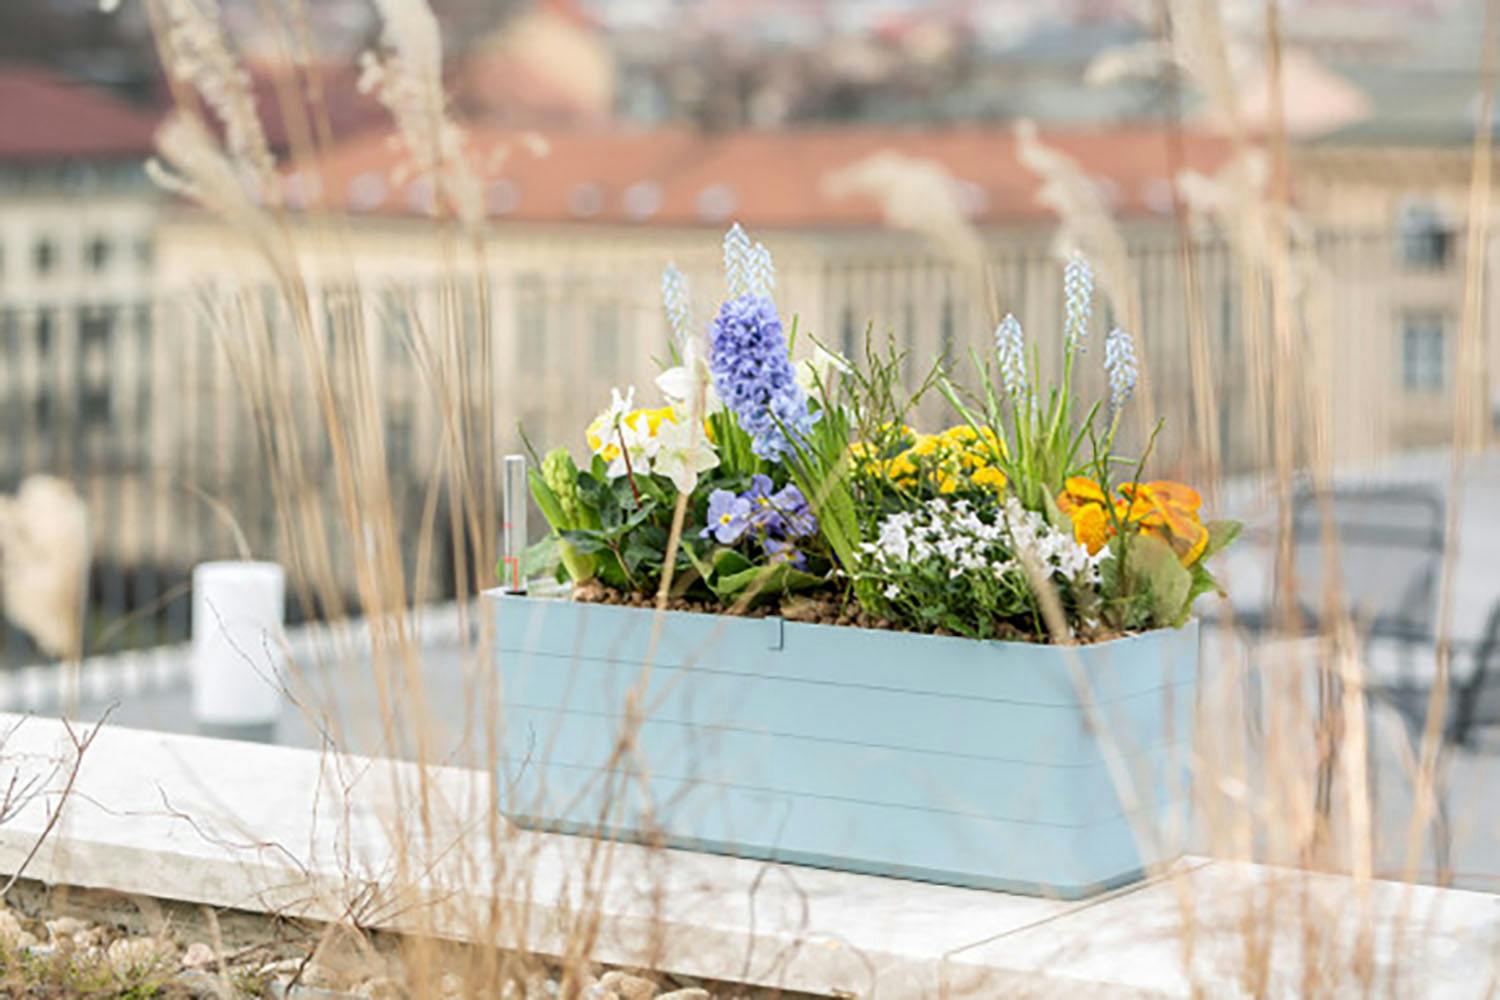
{"x":1389,"y":553}
{"x":1385,"y":545}
{"x":1476,"y":703}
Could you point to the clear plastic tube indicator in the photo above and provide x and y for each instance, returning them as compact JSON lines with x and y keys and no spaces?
{"x":513,"y":524}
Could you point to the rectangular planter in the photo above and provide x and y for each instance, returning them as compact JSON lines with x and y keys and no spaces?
{"x":1027,"y":768}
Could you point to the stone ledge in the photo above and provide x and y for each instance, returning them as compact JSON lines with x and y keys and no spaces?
{"x":327,"y":837}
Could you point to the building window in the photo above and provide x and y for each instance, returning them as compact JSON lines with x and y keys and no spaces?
{"x":946,"y":332}
{"x":94,"y":328}
{"x":94,"y":405}
{"x":531,"y":324}
{"x":605,"y":331}
{"x":1423,"y":352}
{"x":847,"y":344}
{"x":44,"y":255}
{"x":1426,"y":236}
{"x":43,"y":334}
{"x":97,"y":253}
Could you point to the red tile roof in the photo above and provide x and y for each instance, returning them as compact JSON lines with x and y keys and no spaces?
{"x":48,"y":117}
{"x":765,"y":178}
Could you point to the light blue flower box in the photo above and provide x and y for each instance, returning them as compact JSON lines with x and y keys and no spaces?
{"x":1027,"y":768}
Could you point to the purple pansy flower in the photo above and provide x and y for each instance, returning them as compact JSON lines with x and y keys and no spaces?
{"x":782,"y":551}
{"x":796,"y":516}
{"x":763,"y":516}
{"x":728,"y":517}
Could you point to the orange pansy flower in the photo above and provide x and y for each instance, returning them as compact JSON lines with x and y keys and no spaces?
{"x":1162,"y":508}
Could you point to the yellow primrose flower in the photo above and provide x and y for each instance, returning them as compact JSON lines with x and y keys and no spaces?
{"x":927,"y":445}
{"x":1165,"y":509}
{"x":1169,"y":511}
{"x":901,"y":467}
{"x":990,"y":476}
{"x":1091,"y":527}
{"x":894,"y":433}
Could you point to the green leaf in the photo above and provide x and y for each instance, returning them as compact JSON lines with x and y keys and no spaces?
{"x":1153,"y":566}
{"x":704,"y":570}
{"x":652,"y":490}
{"x":547,"y":502}
{"x":639,"y":553}
{"x":783,"y":578}
{"x":586,"y":542}
{"x":1221,"y":534}
{"x":728,"y":562}
{"x":1203,"y":583}
{"x":541,"y":559}
{"x":1054,"y":513}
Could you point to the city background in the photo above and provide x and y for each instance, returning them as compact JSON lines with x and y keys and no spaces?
{"x":878,"y":148}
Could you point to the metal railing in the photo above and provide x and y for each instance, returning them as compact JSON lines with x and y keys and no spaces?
{"x":137,"y":405}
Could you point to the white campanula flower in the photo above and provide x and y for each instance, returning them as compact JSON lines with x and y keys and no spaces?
{"x":1120,"y":366}
{"x":893,"y":543}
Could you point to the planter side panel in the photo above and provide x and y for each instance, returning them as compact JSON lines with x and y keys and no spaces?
{"x":827,"y":746}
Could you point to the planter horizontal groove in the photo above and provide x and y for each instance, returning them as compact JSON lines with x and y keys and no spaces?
{"x":651,"y":724}
{"x":1025,"y":767}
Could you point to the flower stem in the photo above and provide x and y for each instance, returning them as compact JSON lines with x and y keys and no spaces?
{"x":629,"y":471}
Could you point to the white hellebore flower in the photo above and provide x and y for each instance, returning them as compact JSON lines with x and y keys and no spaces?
{"x":640,"y":447}
{"x":679,"y":384}
{"x":820,"y":368}
{"x":682,"y":453}
{"x":601,"y":431}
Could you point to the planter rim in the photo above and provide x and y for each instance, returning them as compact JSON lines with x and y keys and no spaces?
{"x":499,"y":593}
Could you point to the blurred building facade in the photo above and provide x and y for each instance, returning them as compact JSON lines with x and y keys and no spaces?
{"x":115,"y":368}
{"x":78,"y":223}
{"x":870,"y":226}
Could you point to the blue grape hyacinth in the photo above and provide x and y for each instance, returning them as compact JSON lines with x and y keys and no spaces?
{"x":752,"y":374}
{"x":1120,"y":366}
{"x":1078,"y":293}
{"x":677,"y":302}
{"x":1010,"y":345}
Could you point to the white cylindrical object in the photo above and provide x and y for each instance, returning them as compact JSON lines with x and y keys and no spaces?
{"x":238,"y":648}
